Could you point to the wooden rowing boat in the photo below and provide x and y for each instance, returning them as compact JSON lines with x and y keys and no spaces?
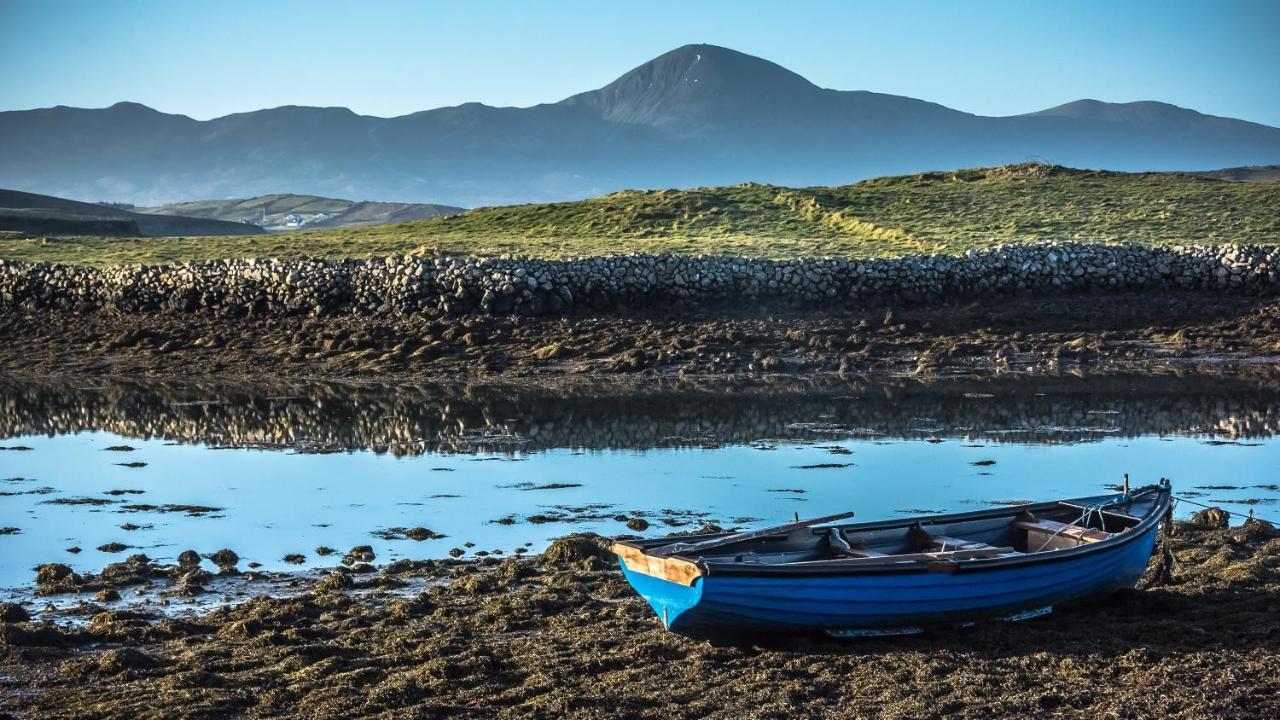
{"x":897,"y":575}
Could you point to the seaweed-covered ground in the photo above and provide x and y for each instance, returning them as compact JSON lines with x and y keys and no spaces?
{"x":561,"y":635}
{"x":1101,"y":333}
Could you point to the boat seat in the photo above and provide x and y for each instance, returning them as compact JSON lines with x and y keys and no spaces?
{"x":1053,"y":535}
{"x":943,"y":542}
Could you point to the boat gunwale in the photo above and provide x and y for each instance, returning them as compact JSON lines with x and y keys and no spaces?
{"x":1159,"y":509}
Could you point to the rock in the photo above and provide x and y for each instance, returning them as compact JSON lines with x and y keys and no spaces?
{"x":475,"y":584}
{"x":56,"y":576}
{"x":549,"y":352}
{"x":339,"y":579}
{"x":359,"y":554}
{"x":1212,"y":518}
{"x":527,"y":286}
{"x":577,"y":547}
{"x":638,"y":524}
{"x":772,"y":364}
{"x":189,"y":559}
{"x":119,"y":660}
{"x":226,"y":560}
{"x":13,"y":612}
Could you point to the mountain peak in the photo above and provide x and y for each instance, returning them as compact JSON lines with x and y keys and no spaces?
{"x":690,"y":87}
{"x":125,"y":106}
{"x":1140,"y":111}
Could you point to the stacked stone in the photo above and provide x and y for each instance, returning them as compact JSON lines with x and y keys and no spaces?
{"x":531,"y":286}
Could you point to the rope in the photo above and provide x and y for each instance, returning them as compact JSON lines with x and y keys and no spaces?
{"x":1228,"y":512}
{"x":1083,"y":520}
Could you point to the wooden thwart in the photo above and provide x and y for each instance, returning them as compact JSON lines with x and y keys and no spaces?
{"x":950,"y":543}
{"x":679,"y":548}
{"x":1052,"y":528}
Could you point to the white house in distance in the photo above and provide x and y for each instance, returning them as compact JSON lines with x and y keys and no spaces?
{"x":293,"y":220}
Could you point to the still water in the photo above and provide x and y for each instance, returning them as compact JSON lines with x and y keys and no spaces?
{"x":286,"y":468}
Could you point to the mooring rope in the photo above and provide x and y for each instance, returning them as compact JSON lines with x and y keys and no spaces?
{"x":1179,"y":498}
{"x":1083,"y":520}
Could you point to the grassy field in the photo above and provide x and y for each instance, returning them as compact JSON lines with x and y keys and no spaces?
{"x":933,"y":212}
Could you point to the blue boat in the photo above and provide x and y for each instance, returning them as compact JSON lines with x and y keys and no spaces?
{"x":898,"y":575}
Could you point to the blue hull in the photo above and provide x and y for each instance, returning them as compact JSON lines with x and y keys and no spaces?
{"x":732,"y":604}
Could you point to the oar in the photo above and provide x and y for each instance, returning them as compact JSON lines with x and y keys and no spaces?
{"x":684,"y":548}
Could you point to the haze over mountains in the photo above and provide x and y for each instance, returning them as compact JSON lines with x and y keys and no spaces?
{"x":284,"y":212}
{"x":44,"y":215}
{"x":698,"y":115}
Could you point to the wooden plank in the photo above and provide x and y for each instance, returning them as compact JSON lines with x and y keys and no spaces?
{"x":952,"y":543}
{"x":1052,"y":527}
{"x":676,"y":570}
{"x":698,"y":547}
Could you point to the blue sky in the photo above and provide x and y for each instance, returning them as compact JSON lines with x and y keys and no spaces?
{"x":393,"y":57}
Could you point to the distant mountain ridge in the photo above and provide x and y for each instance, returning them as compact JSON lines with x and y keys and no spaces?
{"x":698,"y":115}
{"x":280,"y":211}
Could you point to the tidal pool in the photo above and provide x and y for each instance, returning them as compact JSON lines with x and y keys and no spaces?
{"x":273,"y":470}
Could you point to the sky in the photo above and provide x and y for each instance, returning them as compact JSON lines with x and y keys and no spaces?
{"x":391,"y":57}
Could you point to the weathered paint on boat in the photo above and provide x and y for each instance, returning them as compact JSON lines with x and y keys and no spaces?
{"x":730,"y":601}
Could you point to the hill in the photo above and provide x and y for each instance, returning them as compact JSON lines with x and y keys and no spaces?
{"x":699,"y":115}
{"x":1254,"y":173}
{"x":273,"y":212}
{"x":928,"y":212}
{"x":47,"y":215}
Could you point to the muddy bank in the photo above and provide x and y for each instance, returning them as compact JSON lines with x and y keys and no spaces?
{"x":1142,"y":331}
{"x":561,"y":635}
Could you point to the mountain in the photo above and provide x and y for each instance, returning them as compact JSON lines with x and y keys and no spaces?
{"x":280,"y":212}
{"x":46,"y":215}
{"x":698,"y":115}
{"x":1251,"y":174}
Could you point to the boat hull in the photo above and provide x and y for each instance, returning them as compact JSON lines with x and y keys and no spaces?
{"x":720,"y":605}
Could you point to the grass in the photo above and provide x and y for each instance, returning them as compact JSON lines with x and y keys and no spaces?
{"x":931,"y":212}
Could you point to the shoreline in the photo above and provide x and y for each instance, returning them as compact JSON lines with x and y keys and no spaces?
{"x":517,"y":636}
{"x":1136,"y":331}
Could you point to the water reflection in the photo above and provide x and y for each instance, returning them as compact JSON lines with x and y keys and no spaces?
{"x":504,"y":467}
{"x":415,"y":419}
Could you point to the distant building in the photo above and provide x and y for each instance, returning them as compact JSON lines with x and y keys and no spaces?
{"x":319,"y":216}
{"x":294,"y":220}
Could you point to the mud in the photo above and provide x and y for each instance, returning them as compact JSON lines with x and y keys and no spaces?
{"x":562,"y":635}
{"x":1116,"y":332}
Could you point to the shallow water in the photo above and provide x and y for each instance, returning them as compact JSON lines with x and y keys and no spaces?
{"x":286,"y":468}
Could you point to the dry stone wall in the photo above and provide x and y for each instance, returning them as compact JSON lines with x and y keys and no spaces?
{"x":531,"y":286}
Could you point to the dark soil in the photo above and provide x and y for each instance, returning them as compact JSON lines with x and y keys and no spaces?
{"x":1126,"y":331}
{"x":562,"y":635}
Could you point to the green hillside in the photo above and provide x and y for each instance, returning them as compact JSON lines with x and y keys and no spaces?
{"x":932,"y":212}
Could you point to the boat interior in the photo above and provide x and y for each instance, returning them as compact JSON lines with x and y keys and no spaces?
{"x":1037,"y":529}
